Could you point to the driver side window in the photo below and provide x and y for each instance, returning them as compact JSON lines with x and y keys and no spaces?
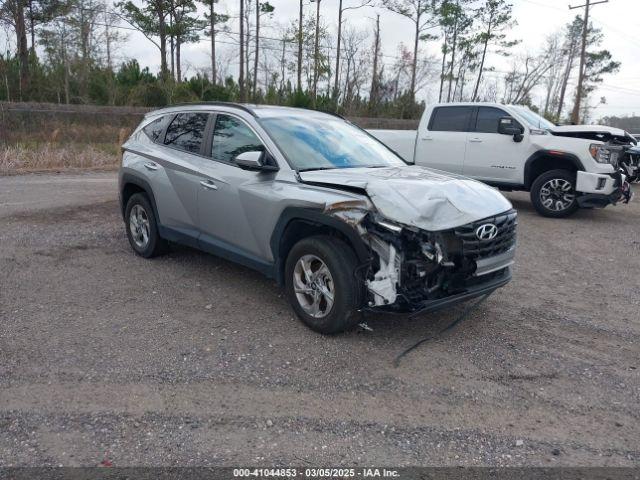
{"x":489,"y":119}
{"x":231,"y":137}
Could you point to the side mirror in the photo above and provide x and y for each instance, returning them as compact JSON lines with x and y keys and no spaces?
{"x":508,"y":126}
{"x":254,"y":160}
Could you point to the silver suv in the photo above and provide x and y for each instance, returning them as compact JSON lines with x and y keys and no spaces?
{"x":316,"y":203}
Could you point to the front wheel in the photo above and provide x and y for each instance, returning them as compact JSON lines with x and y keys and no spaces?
{"x":320,"y":284}
{"x":553,"y":194}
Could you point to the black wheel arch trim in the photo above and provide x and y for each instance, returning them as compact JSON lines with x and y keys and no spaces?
{"x":528,"y":166}
{"x":128,"y":177}
{"x":314,"y":217}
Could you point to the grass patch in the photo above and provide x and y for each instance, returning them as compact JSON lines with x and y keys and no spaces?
{"x":33,"y":157}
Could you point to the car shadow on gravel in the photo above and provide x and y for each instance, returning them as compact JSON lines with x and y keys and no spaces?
{"x":392,"y":329}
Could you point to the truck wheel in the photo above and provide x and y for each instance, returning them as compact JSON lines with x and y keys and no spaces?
{"x":320,"y":284}
{"x":553,"y":194}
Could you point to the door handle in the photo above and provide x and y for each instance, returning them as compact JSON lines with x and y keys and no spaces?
{"x":475,"y":140}
{"x":151,"y":166}
{"x":208,"y":184}
{"x":426,"y":139}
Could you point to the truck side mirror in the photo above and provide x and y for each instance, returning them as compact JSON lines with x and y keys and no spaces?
{"x":508,"y":126}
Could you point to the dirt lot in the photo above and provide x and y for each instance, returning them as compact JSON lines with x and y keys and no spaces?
{"x":191,"y":360}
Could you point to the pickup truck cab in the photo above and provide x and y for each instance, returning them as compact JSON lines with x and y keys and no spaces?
{"x":513,"y":148}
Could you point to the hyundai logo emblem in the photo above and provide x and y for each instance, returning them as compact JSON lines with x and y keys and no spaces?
{"x":486,"y":232}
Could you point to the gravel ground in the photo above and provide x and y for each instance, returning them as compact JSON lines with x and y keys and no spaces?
{"x":191,"y":360}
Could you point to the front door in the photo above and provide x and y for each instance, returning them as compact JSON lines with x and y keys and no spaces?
{"x":491,"y":156}
{"x":227,"y":192}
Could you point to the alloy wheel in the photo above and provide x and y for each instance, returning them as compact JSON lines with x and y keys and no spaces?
{"x":313,"y":285}
{"x":557,"y":194}
{"x":139,"y":226}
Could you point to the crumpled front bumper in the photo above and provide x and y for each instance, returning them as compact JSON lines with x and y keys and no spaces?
{"x":498,"y":280}
{"x":599,"y":190}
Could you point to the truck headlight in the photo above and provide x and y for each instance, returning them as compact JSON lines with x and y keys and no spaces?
{"x":600,"y":153}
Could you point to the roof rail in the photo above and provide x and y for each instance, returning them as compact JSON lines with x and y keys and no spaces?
{"x":239,"y":106}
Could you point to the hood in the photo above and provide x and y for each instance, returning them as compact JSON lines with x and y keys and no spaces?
{"x":417,"y":196}
{"x":601,"y":133}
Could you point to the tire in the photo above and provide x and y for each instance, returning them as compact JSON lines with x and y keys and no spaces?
{"x":146,"y":240}
{"x":340,"y":261}
{"x":553,"y":194}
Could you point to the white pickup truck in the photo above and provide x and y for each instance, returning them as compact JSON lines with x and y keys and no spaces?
{"x":513,"y":148}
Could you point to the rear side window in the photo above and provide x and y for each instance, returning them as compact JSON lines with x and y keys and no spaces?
{"x":231,"y":137}
{"x":186,"y":132}
{"x":450,"y":119}
{"x":488,"y":119}
{"x":155,"y":128}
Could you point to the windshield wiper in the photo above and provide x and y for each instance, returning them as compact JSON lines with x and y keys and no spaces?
{"x":312,"y":169}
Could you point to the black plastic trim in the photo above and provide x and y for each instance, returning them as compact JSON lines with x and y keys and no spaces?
{"x":441,"y":303}
{"x":132,"y":178}
{"x":239,"y":106}
{"x":314,"y":217}
{"x":547,"y":153}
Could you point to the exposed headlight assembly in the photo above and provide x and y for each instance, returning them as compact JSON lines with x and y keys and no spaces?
{"x":602,"y":154}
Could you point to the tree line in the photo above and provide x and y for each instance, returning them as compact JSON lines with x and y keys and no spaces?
{"x":71,"y":51}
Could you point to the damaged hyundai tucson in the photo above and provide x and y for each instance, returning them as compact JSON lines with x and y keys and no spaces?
{"x":309,"y":199}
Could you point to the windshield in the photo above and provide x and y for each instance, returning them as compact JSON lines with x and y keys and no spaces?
{"x":323,"y":143}
{"x":533,"y":119}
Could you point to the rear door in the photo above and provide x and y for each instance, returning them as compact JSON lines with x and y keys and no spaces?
{"x":489,"y":155}
{"x":442,"y":141}
{"x":169,"y":164}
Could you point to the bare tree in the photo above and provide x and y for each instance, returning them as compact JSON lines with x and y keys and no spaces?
{"x":261,"y":9}
{"x":494,"y":16}
{"x":420,"y":13}
{"x":241,"y":73}
{"x":341,"y":10}
{"x":375,"y":74}
{"x":214,"y":18}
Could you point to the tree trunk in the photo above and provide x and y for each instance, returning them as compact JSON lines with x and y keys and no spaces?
{"x":283,"y":65}
{"x":373,"y":95}
{"x":247,"y":43}
{"x":453,"y":57}
{"x":178,"y":59}
{"x":172,"y":40}
{"x":300,"y":49}
{"x":162,"y":33}
{"x":21,"y":43}
{"x":241,"y":74}
{"x":316,"y":54}
{"x":32,"y":28}
{"x":484,"y":55}
{"x":575,"y":115}
{"x":414,"y":63}
{"x":442,"y":68}
{"x":255,"y":61}
{"x":213,"y":42}
{"x":336,"y":85}
{"x":565,"y":82}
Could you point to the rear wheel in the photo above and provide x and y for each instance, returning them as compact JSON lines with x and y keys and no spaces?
{"x":320,"y":284}
{"x":142,"y":227}
{"x":553,"y":194}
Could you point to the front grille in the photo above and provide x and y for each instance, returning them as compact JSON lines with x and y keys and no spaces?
{"x":475,"y":249}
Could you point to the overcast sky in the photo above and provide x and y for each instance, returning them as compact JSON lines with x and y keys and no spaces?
{"x":618,"y":19}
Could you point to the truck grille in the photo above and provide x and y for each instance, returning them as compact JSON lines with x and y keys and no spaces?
{"x":475,"y":249}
